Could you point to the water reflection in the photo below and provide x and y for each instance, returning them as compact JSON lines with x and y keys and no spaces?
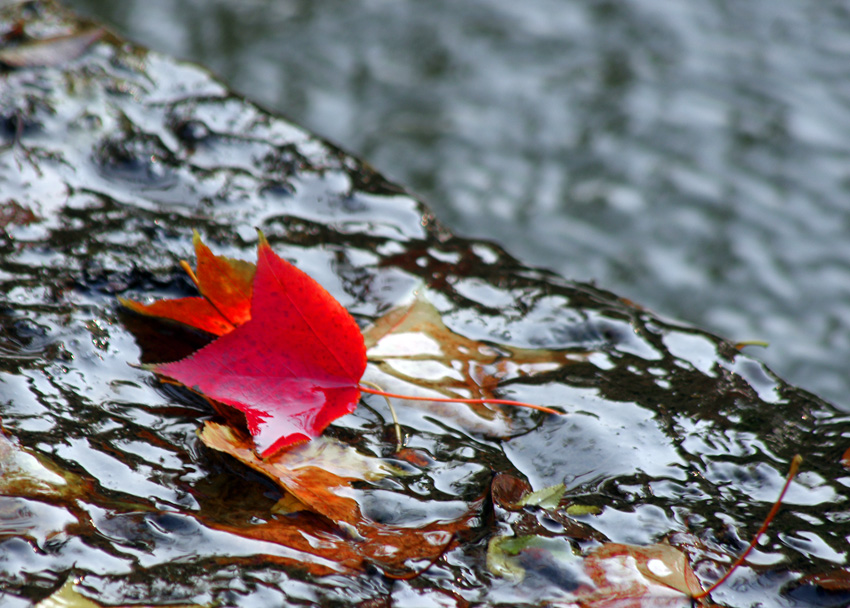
{"x":691,"y":158}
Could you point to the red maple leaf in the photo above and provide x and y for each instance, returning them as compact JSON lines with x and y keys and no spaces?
{"x":289,"y":356}
{"x":292,"y":368}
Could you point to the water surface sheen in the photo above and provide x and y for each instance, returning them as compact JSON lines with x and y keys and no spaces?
{"x":108,"y":164}
{"x":690,"y":156}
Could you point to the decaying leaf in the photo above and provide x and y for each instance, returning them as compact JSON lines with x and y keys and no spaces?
{"x":508,"y":490}
{"x":27,"y":474}
{"x":339,"y":538}
{"x":612,"y":575}
{"x":48,"y":52}
{"x":415,"y":353}
{"x":658,"y":572}
{"x":315,"y":473}
{"x":622,"y":575}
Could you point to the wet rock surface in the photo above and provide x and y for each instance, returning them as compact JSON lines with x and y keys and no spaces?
{"x":109,"y":160}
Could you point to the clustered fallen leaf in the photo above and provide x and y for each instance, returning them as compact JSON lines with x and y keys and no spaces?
{"x":288,"y":355}
{"x":289,"y":358}
{"x":318,"y":478}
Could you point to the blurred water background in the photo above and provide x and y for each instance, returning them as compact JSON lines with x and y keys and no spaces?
{"x":691,"y":156}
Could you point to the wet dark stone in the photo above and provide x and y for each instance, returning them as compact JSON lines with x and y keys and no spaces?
{"x":139,"y":159}
{"x":540,"y":565}
{"x":191,"y":132}
{"x":124,"y":152}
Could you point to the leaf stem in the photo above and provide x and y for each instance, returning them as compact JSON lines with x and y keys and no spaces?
{"x":540,"y":408}
{"x":792,"y":472}
{"x":398,"y":436}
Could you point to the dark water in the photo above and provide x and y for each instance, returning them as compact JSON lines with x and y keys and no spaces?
{"x":690,"y":156}
{"x":108,"y":163}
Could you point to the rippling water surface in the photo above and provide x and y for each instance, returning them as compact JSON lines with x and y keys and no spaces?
{"x":691,"y":156}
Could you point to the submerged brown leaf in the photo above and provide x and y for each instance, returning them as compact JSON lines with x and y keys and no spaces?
{"x":835,"y":581}
{"x":335,"y":536}
{"x":12,"y":212}
{"x":412,"y":351}
{"x":50,"y":51}
{"x":508,"y":490}
{"x":28,"y":474}
{"x":316,"y":473}
{"x":612,"y":575}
